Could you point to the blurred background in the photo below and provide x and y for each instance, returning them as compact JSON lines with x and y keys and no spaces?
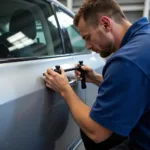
{"x":133,"y":9}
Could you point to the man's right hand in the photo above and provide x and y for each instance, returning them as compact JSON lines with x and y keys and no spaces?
{"x":91,"y":75}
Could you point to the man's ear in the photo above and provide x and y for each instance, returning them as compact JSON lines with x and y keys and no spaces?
{"x":106,"y":23}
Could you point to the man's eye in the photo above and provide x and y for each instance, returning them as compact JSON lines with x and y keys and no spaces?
{"x":88,"y":37}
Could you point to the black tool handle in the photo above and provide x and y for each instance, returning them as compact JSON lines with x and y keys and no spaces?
{"x":57,"y":69}
{"x":83,"y":80}
{"x":79,"y":68}
{"x":70,"y":69}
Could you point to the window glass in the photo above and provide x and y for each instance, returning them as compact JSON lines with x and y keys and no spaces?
{"x":40,"y":32}
{"x":78,"y":44}
{"x":54,"y":34}
{"x":25,"y":30}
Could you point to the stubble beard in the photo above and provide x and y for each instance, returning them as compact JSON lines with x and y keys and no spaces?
{"x":105,"y":54}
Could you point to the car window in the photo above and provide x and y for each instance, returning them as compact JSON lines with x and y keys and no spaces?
{"x":77,"y":43}
{"x":40,"y":32}
{"x":26,"y":31}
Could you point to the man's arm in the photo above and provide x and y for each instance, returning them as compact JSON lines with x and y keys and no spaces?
{"x":98,"y":79}
{"x":114,"y":105}
{"x":81,"y":112}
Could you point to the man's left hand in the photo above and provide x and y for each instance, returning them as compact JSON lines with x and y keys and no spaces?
{"x":55,"y":81}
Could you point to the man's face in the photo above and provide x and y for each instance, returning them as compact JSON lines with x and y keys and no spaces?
{"x":98,"y":38}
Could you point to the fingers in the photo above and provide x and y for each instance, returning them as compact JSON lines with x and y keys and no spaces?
{"x":48,"y":72}
{"x":51,"y":72}
{"x":49,"y":76}
{"x":62,"y":71}
{"x":77,"y":73}
{"x":48,"y":85}
{"x":49,"y":81}
{"x":86,"y":68}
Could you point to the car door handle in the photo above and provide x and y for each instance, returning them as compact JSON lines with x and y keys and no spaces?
{"x":73,"y":82}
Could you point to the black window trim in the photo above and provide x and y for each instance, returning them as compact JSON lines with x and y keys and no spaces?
{"x":21,"y":59}
{"x":59,"y":27}
{"x":68,"y":49}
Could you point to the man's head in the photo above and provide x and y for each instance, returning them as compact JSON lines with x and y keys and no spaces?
{"x":102,"y":25}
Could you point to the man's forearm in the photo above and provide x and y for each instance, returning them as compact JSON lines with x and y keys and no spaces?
{"x":81,"y":113}
{"x":98,"y":79}
{"x":79,"y":110}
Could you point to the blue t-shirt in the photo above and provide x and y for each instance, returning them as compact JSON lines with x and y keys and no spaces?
{"x":123,"y":101}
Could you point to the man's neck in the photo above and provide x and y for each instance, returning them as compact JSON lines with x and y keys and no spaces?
{"x":121,"y":31}
{"x":125,"y":27}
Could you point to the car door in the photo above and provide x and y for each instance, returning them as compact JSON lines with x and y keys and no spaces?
{"x":76,"y":47}
{"x":32,"y":116}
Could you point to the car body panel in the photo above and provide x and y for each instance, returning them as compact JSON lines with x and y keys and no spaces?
{"x":33,"y":116}
{"x":31,"y":111}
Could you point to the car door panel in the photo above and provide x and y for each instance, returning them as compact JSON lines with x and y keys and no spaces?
{"x":30,"y":113}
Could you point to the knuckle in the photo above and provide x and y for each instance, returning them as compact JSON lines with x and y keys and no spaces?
{"x":47,"y":70}
{"x":48,"y":78}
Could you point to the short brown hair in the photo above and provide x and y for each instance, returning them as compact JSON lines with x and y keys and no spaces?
{"x":90,"y":10}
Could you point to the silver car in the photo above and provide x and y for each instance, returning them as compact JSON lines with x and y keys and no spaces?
{"x":36,"y":35}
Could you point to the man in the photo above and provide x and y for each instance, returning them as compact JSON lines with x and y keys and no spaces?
{"x":123,"y":101}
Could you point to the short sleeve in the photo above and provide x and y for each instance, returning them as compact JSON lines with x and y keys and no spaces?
{"x":122,"y":97}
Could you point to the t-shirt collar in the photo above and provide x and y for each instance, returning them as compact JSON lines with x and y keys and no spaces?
{"x":133,"y":29}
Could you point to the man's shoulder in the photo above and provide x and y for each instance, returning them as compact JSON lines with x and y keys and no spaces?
{"x":116,"y":64}
{"x":135,"y":49}
{"x":134,"y":52}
